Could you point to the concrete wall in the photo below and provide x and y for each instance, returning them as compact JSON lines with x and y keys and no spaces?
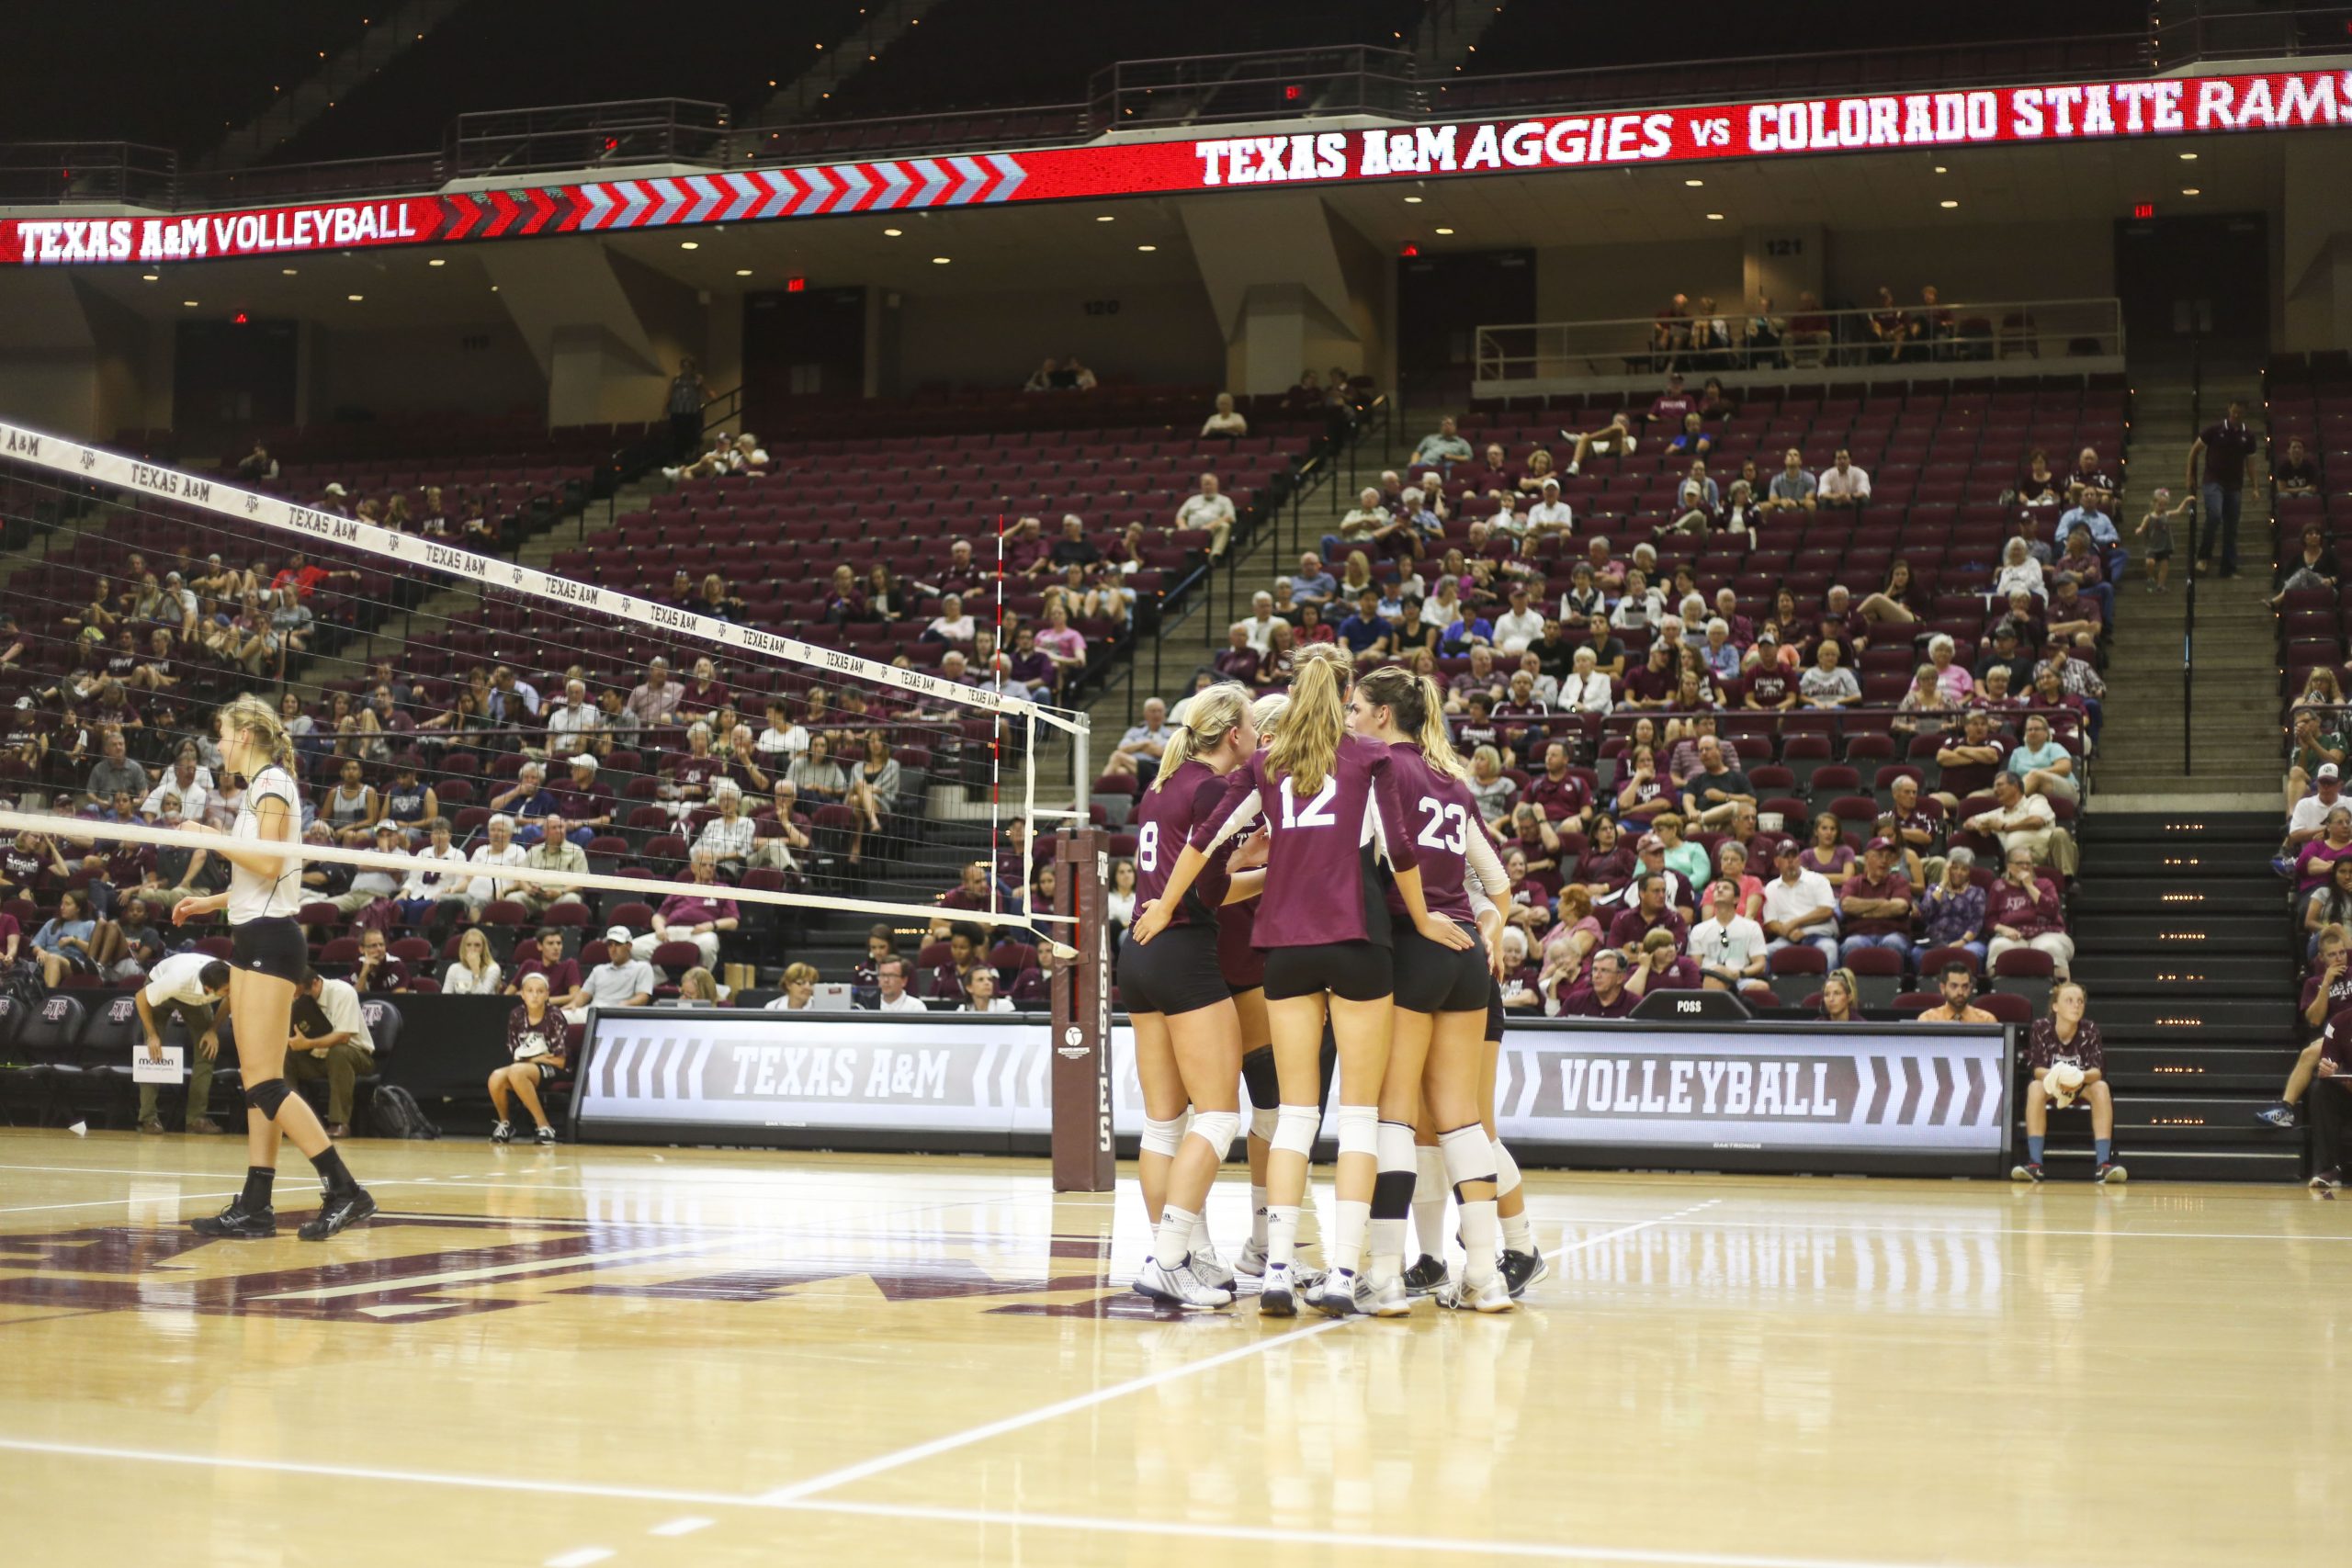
{"x":424,"y":368}
{"x":1161,"y":333}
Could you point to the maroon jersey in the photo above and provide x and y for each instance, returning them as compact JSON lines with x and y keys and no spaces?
{"x":1171,"y":811}
{"x":1322,"y":877}
{"x":2043,"y":1049}
{"x":1583,"y":1001}
{"x":2029,"y":912}
{"x":1770,"y":685}
{"x":1560,"y":797}
{"x":1440,"y":816}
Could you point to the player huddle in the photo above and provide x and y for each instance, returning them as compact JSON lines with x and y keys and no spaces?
{"x":1316,"y":859}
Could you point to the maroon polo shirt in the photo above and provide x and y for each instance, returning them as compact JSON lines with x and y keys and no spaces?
{"x":1894,"y":884}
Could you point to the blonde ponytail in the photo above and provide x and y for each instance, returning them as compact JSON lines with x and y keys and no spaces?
{"x":1209,"y":717}
{"x":258,"y":719}
{"x":1436,"y":741}
{"x":1309,"y":742}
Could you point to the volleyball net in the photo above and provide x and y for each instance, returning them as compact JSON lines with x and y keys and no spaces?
{"x":424,"y":679}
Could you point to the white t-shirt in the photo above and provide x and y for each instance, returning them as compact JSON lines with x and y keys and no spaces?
{"x":1732,"y":946}
{"x":611,"y":985}
{"x":192,"y":799}
{"x":1551,"y":514}
{"x":339,"y":999}
{"x":1784,"y":902}
{"x":459,"y":981}
{"x":175,"y":980}
{"x":254,"y":896}
{"x":2309,"y":814}
{"x":488,"y":887}
{"x":908,"y":1002}
{"x":784,"y":1004}
{"x":1261,"y":633}
{"x":1514,"y":630}
{"x":781,"y":742}
{"x":996,"y":1004}
{"x":1205,"y":512}
{"x":423,"y":884}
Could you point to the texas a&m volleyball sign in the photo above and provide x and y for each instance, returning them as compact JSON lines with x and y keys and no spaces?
{"x":2197,"y":106}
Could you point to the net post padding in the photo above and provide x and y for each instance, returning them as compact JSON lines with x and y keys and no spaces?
{"x":1084,"y":1160}
{"x":75,"y":829}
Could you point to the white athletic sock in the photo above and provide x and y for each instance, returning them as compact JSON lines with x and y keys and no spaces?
{"x":1310,"y":1222}
{"x":1428,"y":1200}
{"x":1258,"y":1216}
{"x":1174,"y":1243}
{"x":1392,"y":1200}
{"x":1282,"y":1234}
{"x":1199,"y":1240}
{"x":1469,"y":1157}
{"x":1385,"y":1243}
{"x":1517,"y":1234}
{"x":1346,"y":1248}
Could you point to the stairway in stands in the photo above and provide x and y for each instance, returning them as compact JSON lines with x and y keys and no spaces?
{"x":2182,"y":929}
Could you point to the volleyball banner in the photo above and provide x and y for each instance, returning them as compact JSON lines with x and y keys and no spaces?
{"x":1915,"y":1099}
{"x":2196,"y":105}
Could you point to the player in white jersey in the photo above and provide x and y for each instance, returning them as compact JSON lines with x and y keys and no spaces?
{"x":270,"y":962}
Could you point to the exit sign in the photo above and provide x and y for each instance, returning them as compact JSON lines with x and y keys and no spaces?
{"x":2143,"y":210}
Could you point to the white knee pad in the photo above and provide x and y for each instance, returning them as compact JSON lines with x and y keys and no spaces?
{"x":1295,"y":1127}
{"x":1360,"y":1130}
{"x":1217,"y":1129}
{"x":1163,"y":1137}
{"x":1262,"y":1124}
{"x":1506,"y":1169}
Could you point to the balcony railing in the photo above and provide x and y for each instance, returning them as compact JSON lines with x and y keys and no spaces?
{"x":1554,"y":355}
{"x":45,"y":174}
{"x":1213,"y":88}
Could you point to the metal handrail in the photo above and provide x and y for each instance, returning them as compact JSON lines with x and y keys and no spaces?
{"x":40,"y":172}
{"x":2189,"y":593}
{"x":1803,"y":338}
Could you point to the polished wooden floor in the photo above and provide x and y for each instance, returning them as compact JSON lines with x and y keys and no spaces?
{"x":575,"y":1356}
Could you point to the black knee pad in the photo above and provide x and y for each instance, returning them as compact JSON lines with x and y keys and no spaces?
{"x":1392,"y":1194}
{"x":1265,"y":1085}
{"x":267,"y":1096}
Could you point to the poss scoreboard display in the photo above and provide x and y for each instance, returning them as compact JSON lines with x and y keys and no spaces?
{"x":1918,"y":1099}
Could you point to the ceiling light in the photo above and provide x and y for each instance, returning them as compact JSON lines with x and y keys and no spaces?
{"x":354,"y":299}
{"x":190,"y":303}
{"x":151,"y":277}
{"x":437,"y":261}
{"x":1445,"y":230}
{"x":1105,"y":218}
{"x":2188,"y":157}
{"x":939,"y":261}
{"x":2190,"y":190}
{"x":1694,"y":184}
{"x":287,"y":271}
{"x":742,"y":271}
{"x":894,"y":233}
{"x":1714,"y":216}
{"x":1947,"y":204}
{"x":1942,"y":170}
{"x":1412,"y":201}
{"x":689,"y":244}
{"x":1146,"y":247}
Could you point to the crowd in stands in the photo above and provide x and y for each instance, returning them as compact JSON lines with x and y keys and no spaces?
{"x":2310,"y":409}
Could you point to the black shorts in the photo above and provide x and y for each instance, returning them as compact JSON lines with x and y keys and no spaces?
{"x":1353,"y":970}
{"x":272,"y":945}
{"x":1434,"y":979}
{"x":1494,"y":1008}
{"x":1176,"y":972}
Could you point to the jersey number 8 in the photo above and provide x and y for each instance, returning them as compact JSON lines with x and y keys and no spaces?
{"x":1147,"y":849}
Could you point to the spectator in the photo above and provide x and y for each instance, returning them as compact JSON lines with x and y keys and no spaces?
{"x":1614,"y":439}
{"x":2306,"y":815}
{"x":2068,"y":1059}
{"x":115,"y":772}
{"x":474,"y":972}
{"x":688,"y":394}
{"x":191,"y":985}
{"x":2021,"y":821}
{"x":498,"y":851}
{"x":330,"y":1042}
{"x":700,"y":918}
{"x":1875,"y":905}
{"x":1262,"y":622}
{"x":2041,"y":765}
{"x":2314,"y":566}
{"x":2314,"y":860}
{"x":1494,"y":790}
{"x":1841,"y":998}
{"x":1224,"y":421}
{"x":1313,"y":585}
{"x":1144,"y":744}
{"x":621,"y":980}
{"x":656,"y":697}
{"x":1669,"y":407}
{"x":380,"y":974}
{"x":1715,"y":794}
{"x":799,"y":989}
{"x":1679,"y":854}
{"x":2295,"y":474}
{"x":2225,"y":444}
{"x":1442,"y":446}
{"x":2021,"y":910}
{"x":1891,"y":328}
{"x":1957,"y":986}
{"x":1662,"y":966}
{"x":370,"y":886}
{"x":1826,"y":684}
{"x":1799,"y":906}
{"x":1605,"y":992}
{"x":1843,"y":485}
{"x":536,"y":1039}
{"x":890,"y":980}
{"x":66,"y":943}
{"x":1728,"y":946}
{"x":2092,"y":516}
{"x":1954,"y":906}
{"x":1648,"y":912}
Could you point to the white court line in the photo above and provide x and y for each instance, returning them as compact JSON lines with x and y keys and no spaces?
{"x":1865,"y":1228}
{"x":1270,"y":1535}
{"x":580,"y":1557}
{"x":686,"y":1526}
{"x":1640,"y":1226}
{"x":954,"y":1440}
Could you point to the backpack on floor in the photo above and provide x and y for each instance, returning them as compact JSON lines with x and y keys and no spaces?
{"x":21,"y":984}
{"x":392,"y":1112}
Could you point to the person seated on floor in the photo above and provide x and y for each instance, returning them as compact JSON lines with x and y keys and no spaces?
{"x":2068,"y":1059}
{"x":536,"y":1038}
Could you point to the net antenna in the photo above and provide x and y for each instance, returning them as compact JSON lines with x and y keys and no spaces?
{"x":237,"y":519}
